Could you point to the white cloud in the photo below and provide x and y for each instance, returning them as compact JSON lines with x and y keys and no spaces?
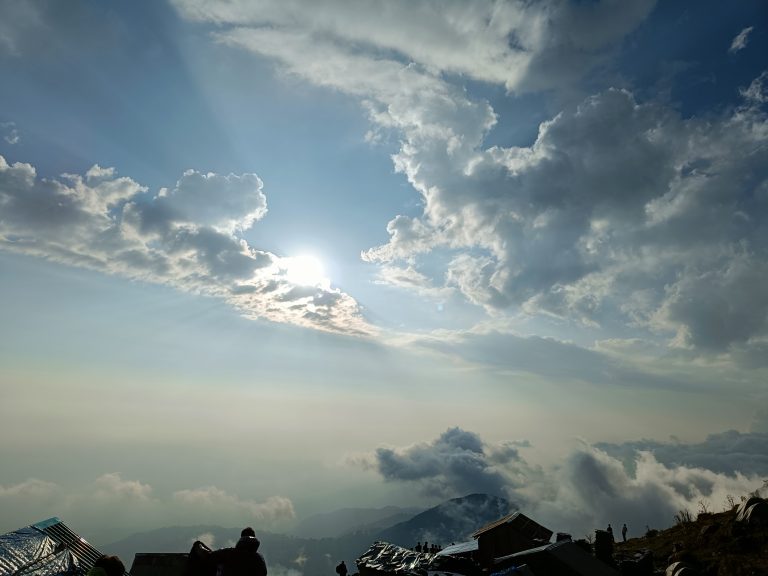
{"x":740,"y":40}
{"x":31,"y":488}
{"x":112,"y":486}
{"x":517,"y":44}
{"x":213,"y":500}
{"x":757,"y":91}
{"x":607,"y":218}
{"x":10,"y":132}
{"x":409,"y":278}
{"x":185,"y":237}
{"x":112,"y":506}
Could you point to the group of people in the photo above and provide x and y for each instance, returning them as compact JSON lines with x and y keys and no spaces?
{"x":623,"y":532}
{"x":242,"y":560}
{"x":430,"y":548}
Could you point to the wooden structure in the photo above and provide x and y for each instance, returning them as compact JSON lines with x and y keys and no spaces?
{"x":512,"y":533}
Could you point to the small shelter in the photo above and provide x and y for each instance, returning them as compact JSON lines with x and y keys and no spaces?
{"x":512,"y":533}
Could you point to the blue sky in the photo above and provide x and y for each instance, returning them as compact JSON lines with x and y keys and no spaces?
{"x":306,"y":236}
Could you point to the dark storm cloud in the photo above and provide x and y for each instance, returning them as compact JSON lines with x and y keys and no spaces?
{"x":454,"y":464}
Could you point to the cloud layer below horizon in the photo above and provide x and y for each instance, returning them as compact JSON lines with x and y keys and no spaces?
{"x":642,"y":484}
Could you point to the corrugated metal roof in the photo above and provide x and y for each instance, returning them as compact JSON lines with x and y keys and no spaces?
{"x":48,"y":548}
{"x":461,"y":548}
{"x":521,"y":522}
{"x":570,"y":554}
{"x":76,"y":544}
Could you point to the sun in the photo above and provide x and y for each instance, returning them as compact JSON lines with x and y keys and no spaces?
{"x":305,"y":270}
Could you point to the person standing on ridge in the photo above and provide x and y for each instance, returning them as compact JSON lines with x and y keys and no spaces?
{"x":624,"y":532}
{"x":610,"y":531}
{"x":341,"y":569}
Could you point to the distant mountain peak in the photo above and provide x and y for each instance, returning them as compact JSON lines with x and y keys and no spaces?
{"x":451,"y":521}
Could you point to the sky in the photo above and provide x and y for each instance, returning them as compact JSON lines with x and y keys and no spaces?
{"x":264,"y":259}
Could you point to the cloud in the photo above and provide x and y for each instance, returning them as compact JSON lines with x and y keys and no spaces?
{"x":592,"y":489}
{"x":610,"y":363}
{"x":31,"y":488}
{"x":112,"y":506}
{"x":740,"y":40}
{"x":587,"y":490}
{"x":112,"y":486}
{"x":757,"y":91}
{"x":185,"y":237}
{"x":211,"y":499}
{"x":728,"y":452}
{"x":517,"y":44}
{"x":454,"y":464}
{"x":618,"y":210}
{"x":411,"y":279}
{"x":616,"y":215}
{"x":19,"y":21}
{"x":10,"y":132}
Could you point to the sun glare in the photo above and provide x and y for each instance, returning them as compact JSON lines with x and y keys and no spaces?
{"x":305,"y":270}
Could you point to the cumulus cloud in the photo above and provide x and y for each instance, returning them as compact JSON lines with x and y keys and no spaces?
{"x":593,"y":489}
{"x":740,"y":40}
{"x":619,"y":210}
{"x":186,"y":237}
{"x":455,"y":464}
{"x":112,"y":486}
{"x":587,"y":490}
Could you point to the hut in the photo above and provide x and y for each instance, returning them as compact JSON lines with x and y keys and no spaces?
{"x":508,"y":535}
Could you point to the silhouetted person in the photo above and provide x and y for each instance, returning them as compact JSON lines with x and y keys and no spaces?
{"x":610,"y":531}
{"x":107,"y":566}
{"x":244,"y":559}
{"x":341,"y":569}
{"x":624,"y":532}
{"x":418,"y":547}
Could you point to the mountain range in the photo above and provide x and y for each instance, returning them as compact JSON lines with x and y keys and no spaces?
{"x":451,"y":521}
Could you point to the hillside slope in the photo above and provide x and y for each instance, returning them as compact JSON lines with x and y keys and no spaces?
{"x":716,"y":544}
